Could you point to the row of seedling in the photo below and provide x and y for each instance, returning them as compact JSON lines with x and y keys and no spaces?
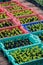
{"x":26,"y":55}
{"x":12,"y":31}
{"x":10,"y":3}
{"x":21,"y":12}
{"x":13,"y":4}
{"x":6,"y":23}
{"x":34,"y":26}
{"x":24,"y":20}
{"x":28,"y":19}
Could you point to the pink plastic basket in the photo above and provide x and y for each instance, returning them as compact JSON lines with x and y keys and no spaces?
{"x":10,"y":29}
{"x":14,"y":1}
{"x":40,"y":17}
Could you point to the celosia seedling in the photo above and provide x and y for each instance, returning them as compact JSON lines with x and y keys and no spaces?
{"x":18,"y":43}
{"x":23,"y":12}
{"x":13,"y":5}
{"x":26,"y":55}
{"x":3,"y":16}
{"x":35,"y":27}
{"x":10,"y":32}
{"x":6,"y":23}
{"x":29,"y":19}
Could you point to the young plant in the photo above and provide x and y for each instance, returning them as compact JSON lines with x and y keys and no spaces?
{"x":29,"y":19}
{"x":14,"y":8}
{"x":12,"y":5}
{"x":18,"y":43}
{"x":35,"y":27}
{"x":23,"y":12}
{"x":8,"y":4}
{"x":28,"y":54}
{"x":5,"y":24}
{"x":3,"y":16}
{"x":10,"y":32}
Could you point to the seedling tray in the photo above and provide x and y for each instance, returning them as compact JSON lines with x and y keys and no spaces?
{"x":16,"y":4}
{"x":4,"y":15}
{"x":18,"y":41}
{"x":34,"y":26}
{"x":29,"y":18}
{"x":15,"y":55}
{"x":12,"y":31}
{"x":39,"y":34}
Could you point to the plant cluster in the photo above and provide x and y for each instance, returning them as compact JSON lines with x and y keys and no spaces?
{"x":5,"y":24}
{"x":29,"y":19}
{"x":9,"y":4}
{"x":18,"y":43}
{"x":23,"y":12}
{"x":27,"y":54}
{"x":35,"y":27}
{"x":13,"y":6}
{"x":3,"y":15}
{"x":8,"y":32}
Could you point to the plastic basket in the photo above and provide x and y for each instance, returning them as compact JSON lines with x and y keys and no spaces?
{"x":31,"y":24}
{"x":32,"y":40}
{"x":12,"y":31}
{"x":13,"y":61}
{"x":14,"y":1}
{"x":38,"y":33}
{"x":29,"y":16}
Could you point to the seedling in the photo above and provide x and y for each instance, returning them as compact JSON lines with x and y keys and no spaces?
{"x":3,"y":16}
{"x":35,"y":27}
{"x":5,"y":23}
{"x":18,"y":43}
{"x":29,"y":19}
{"x":14,"y":8}
{"x":13,"y":5}
{"x":10,"y":32}
{"x":21,"y":56}
{"x":23,"y":12}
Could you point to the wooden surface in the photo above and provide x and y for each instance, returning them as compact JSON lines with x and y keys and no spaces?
{"x":3,"y":60}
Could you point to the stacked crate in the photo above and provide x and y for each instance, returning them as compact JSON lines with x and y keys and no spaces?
{"x":16,"y":22}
